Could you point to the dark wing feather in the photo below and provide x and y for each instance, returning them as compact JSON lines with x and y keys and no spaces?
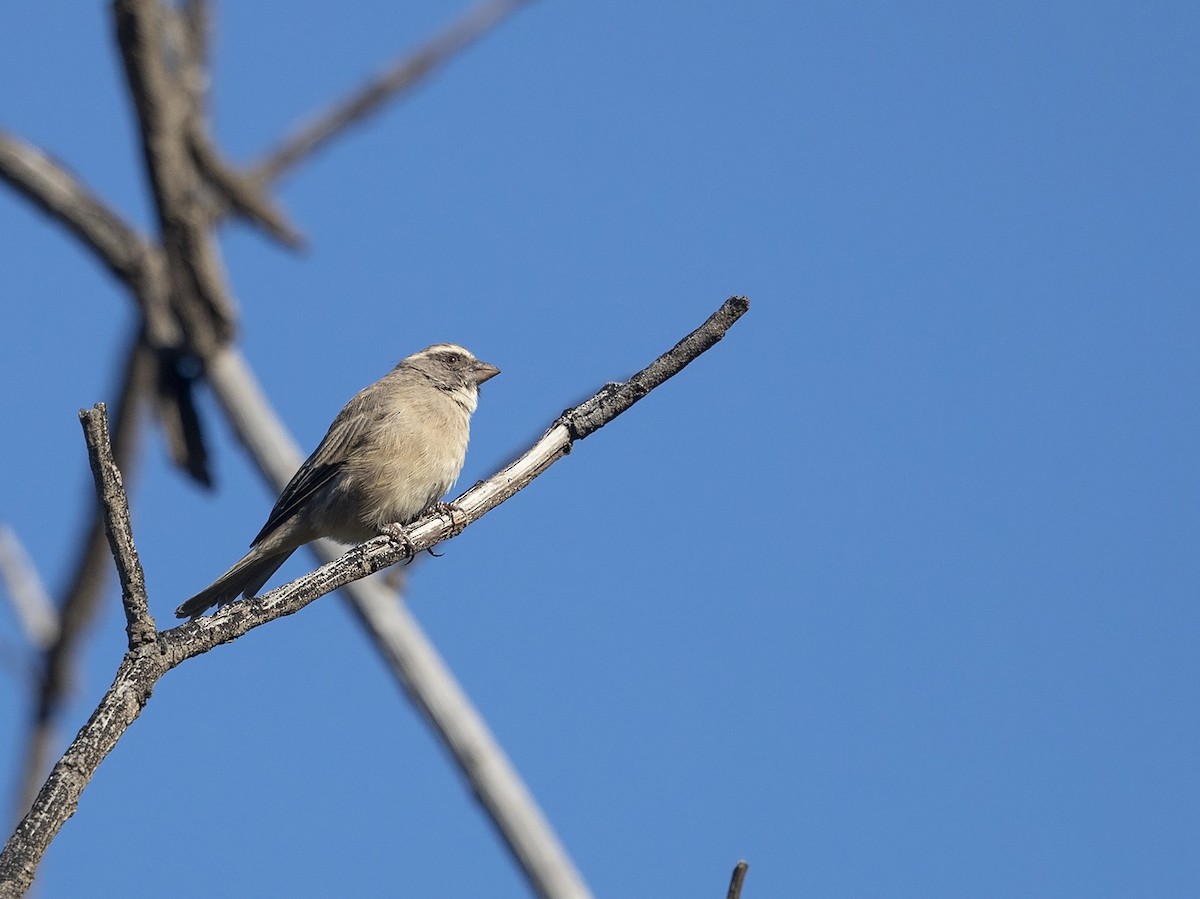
{"x":307,"y":481}
{"x":327,"y":460}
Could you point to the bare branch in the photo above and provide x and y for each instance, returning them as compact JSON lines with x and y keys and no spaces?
{"x":142,"y":667}
{"x":137,"y":263}
{"x":165,"y":111}
{"x":735,"y":882}
{"x":195,"y":17}
{"x":142,"y":35}
{"x":140,"y":265}
{"x":59,"y":797}
{"x":397,"y":636}
{"x":114,"y":504}
{"x":189,"y":36}
{"x":242,"y":192}
{"x":54,"y":190}
{"x":616,"y":398}
{"x":370,"y":98}
{"x":123,"y":251}
{"x":168,"y":112}
{"x":25,"y":589}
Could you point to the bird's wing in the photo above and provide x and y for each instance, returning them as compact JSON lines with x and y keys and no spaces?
{"x":346,"y":432}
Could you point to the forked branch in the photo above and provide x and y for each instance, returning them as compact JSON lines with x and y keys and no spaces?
{"x":145,"y":663}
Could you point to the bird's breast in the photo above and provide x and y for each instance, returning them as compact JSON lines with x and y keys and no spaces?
{"x":415,"y":456}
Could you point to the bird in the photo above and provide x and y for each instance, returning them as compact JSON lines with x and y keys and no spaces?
{"x":392,"y":452}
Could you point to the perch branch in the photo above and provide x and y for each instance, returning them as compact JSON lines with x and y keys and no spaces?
{"x":142,"y":667}
{"x":409,"y":654}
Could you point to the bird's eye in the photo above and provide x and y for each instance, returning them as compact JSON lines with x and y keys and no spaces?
{"x":454,"y":360}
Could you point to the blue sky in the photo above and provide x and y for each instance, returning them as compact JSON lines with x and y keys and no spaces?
{"x":892,"y":593}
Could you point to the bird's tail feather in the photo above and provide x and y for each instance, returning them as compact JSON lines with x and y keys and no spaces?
{"x":246,"y":577}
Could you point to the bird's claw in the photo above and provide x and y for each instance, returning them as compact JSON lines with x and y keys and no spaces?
{"x":457,"y":517}
{"x":397,"y":535}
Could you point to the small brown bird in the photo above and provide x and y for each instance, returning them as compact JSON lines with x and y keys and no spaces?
{"x":391,"y":453}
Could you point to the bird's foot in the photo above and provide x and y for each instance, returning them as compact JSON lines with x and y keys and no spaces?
{"x":457,"y":517}
{"x":397,"y":535}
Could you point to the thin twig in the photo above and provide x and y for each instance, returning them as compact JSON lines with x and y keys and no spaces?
{"x":370,"y":98}
{"x":114,"y":505}
{"x":193,"y":21}
{"x":142,"y":667}
{"x":735,"y":882}
{"x":242,"y":192}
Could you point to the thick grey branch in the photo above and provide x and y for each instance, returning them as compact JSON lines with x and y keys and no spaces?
{"x":165,"y":112}
{"x":59,"y":797}
{"x":195,"y":21}
{"x":370,"y":98}
{"x":114,"y":505}
{"x":142,"y":667}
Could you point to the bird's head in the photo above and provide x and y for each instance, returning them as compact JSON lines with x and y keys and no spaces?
{"x":450,"y":366}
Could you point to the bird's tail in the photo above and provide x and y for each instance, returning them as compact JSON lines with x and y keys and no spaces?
{"x":246,"y":577}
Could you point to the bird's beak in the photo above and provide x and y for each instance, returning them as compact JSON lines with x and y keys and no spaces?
{"x":483,"y":371}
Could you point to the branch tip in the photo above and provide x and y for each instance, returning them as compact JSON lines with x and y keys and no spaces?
{"x":735,"y":882}
{"x":110,"y":491}
{"x":615,"y":398}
